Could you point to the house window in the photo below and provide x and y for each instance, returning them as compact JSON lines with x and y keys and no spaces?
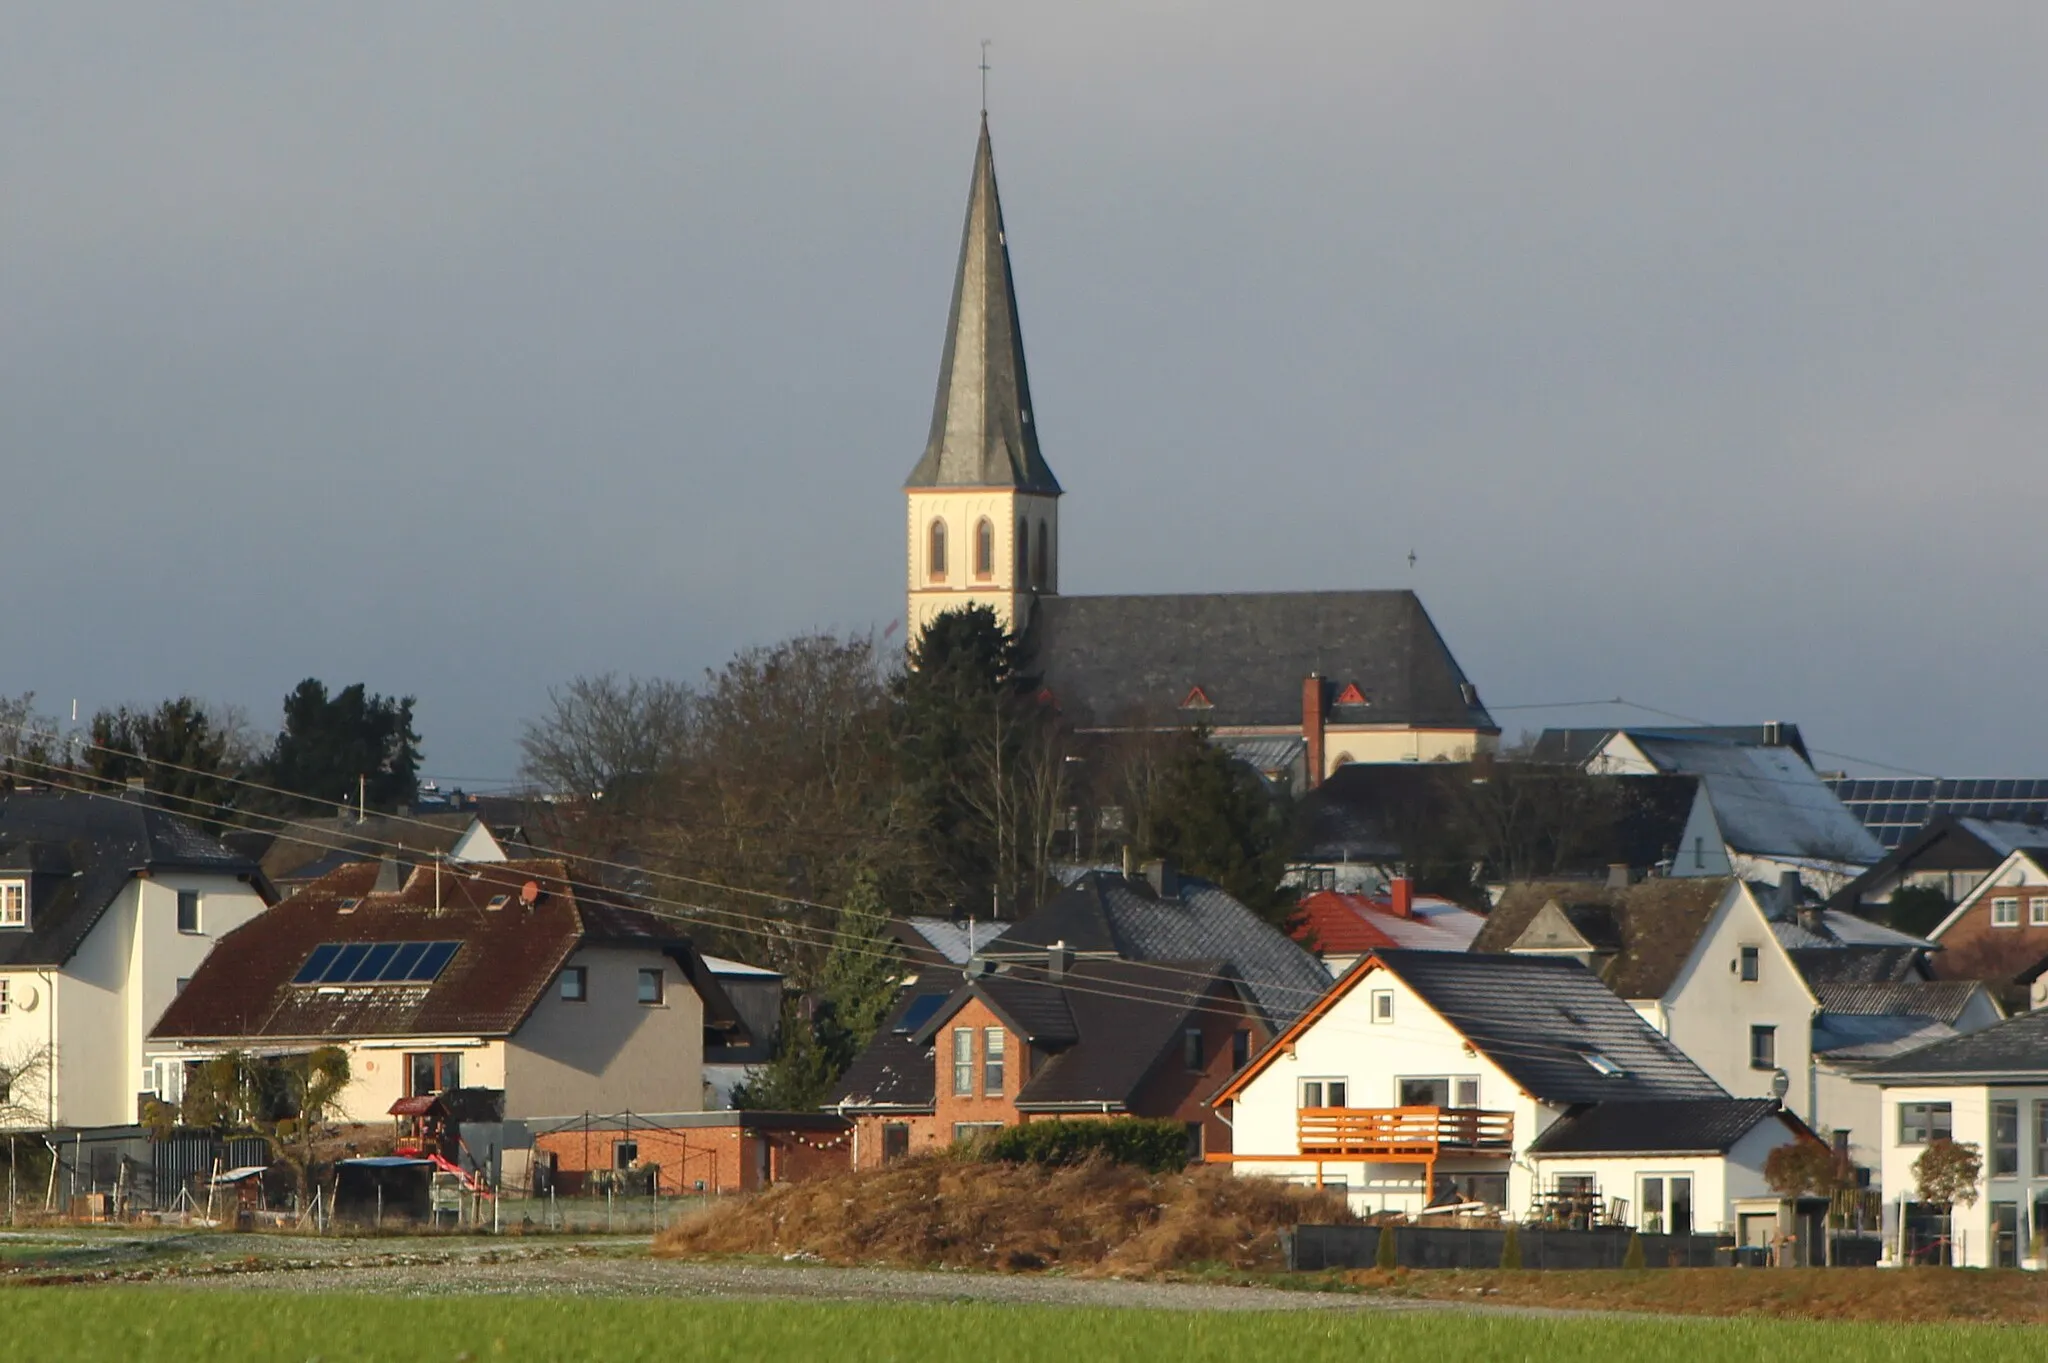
{"x":984,"y":549}
{"x":2005,"y":1235}
{"x":575,"y":984}
{"x":2005,"y":1138}
{"x":1324,"y":1092}
{"x":13,"y":903}
{"x":1699,"y":853}
{"x":1651,"y":1201}
{"x":432,"y":1072}
{"x":967,"y":1131}
{"x":625,"y":1154}
{"x":895,"y":1140}
{"x":188,"y":911}
{"x":1924,"y":1123}
{"x":2005,"y":913}
{"x":935,"y":552}
{"x":1751,"y":965}
{"x":183,"y":980}
{"x":1192,"y":1048}
{"x":2037,"y":913}
{"x":1194,"y":1137}
{"x":2041,"y":1139}
{"x":1382,"y":1005}
{"x":1023,"y":554}
{"x":1438,"y":1091}
{"x":963,"y":1062}
{"x":652,"y":983}
{"x":991,"y":1062}
{"x":1763,"y":1048}
{"x":1240,"y":1048}
{"x":5,"y":1001}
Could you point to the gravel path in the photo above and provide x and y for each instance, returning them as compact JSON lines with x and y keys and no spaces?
{"x":575,"y":1275}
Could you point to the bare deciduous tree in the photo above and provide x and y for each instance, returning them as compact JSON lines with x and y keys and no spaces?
{"x":601,"y":732}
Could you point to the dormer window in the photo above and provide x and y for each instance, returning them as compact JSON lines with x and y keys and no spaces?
{"x":13,"y":903}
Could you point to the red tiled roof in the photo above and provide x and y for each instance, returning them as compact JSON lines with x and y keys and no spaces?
{"x":1332,"y":921}
{"x":508,"y":955}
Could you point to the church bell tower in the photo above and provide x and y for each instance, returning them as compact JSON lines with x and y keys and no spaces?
{"x":984,"y":505}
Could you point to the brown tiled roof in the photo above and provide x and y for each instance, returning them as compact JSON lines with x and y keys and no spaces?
{"x":1658,"y":922}
{"x":507,"y":958}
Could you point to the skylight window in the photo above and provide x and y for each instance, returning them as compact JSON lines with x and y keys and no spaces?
{"x":918,"y":1014}
{"x":334,"y":963}
{"x":1603,"y":1064}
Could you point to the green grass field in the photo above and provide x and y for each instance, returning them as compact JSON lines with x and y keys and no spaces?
{"x":137,"y":1326}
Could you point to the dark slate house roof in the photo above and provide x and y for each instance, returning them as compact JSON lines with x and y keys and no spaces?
{"x":505,"y":961}
{"x":1658,"y":922}
{"x":1542,"y":1019}
{"x":1577,"y":746}
{"x":1859,"y":965}
{"x":1941,"y":1000}
{"x":1107,"y":914}
{"x":2014,"y":1049}
{"x":895,"y":1071}
{"x":1130,"y":661}
{"x":1946,"y":842}
{"x":1696,"y":1126}
{"x":79,"y":851}
{"x":984,"y":432}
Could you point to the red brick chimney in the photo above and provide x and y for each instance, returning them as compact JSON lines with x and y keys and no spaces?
{"x":1401,"y":897}
{"x":1312,"y":726}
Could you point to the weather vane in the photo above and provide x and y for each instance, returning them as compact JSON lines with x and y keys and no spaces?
{"x":984,"y":76}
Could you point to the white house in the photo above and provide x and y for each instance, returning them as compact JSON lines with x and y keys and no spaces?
{"x":1988,"y":1089}
{"x":1521,"y":1083}
{"x":107,"y":907}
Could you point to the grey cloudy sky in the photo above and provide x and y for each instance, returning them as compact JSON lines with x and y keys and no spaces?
{"x":1697,"y":351}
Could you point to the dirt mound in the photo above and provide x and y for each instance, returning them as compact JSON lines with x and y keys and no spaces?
{"x":1095,"y":1216}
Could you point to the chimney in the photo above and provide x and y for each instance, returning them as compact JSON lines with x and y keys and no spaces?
{"x":1774,"y":733}
{"x":1788,"y":892}
{"x":1401,"y":897}
{"x":1058,"y":960}
{"x":1164,"y":878}
{"x":388,"y":879}
{"x":1618,"y":876}
{"x":1312,"y":726}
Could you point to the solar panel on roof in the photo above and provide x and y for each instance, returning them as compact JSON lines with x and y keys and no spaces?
{"x":918,"y":1013}
{"x":344,"y":963}
{"x":316,"y":964}
{"x":402,"y":962}
{"x":373,"y":963}
{"x":434,"y":960}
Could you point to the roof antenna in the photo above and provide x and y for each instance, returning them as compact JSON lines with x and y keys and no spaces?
{"x":984,"y":78}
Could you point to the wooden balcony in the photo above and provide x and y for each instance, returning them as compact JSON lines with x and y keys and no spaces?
{"x":1403,"y":1134}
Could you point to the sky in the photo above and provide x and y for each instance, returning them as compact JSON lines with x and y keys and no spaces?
{"x":1696,"y":351}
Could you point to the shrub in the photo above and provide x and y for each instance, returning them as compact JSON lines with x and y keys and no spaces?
{"x":1387,"y":1255}
{"x":1511,"y":1249}
{"x":1160,"y":1147}
{"x":1633,"y":1258}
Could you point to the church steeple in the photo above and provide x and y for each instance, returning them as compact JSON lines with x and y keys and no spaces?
{"x":984,"y":507}
{"x":984,"y":433}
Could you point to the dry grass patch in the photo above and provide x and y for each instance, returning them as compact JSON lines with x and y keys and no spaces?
{"x":1095,"y":1216}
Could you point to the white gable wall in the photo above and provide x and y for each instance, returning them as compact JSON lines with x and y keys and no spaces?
{"x":1702,"y":848}
{"x":1710,"y":1008}
{"x":1371,"y":1058}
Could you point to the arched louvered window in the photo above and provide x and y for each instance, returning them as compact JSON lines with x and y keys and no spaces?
{"x":1044,"y":565}
{"x":935,"y":552}
{"x":984,"y":549}
{"x":1023,"y":554}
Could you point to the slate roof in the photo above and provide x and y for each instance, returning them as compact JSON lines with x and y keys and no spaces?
{"x":1851,"y":1038}
{"x":2016,"y":1048}
{"x":1767,"y":800}
{"x":1954,"y":842}
{"x":1539,"y":1018}
{"x":1838,"y":930}
{"x":1105,"y":914}
{"x":1578,"y":746}
{"x":1941,"y":1000}
{"x":79,"y":851}
{"x":1129,"y":661}
{"x":508,"y":957}
{"x":1859,"y":965}
{"x":935,"y":941}
{"x":895,"y":1070}
{"x":984,"y":431}
{"x":1681,"y":1127}
{"x":1659,"y":923}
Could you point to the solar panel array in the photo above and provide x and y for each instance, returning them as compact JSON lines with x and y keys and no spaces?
{"x":1894,"y":808}
{"x":376,"y":963}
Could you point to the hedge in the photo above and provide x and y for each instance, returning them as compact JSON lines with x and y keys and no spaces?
{"x":1156,"y":1145}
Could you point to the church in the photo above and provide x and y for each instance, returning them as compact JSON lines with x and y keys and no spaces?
{"x":1298,"y":683}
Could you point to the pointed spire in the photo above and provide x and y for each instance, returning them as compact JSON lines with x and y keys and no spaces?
{"x":984,"y":433}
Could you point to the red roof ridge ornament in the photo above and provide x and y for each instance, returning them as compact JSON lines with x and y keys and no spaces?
{"x":1196,"y":699}
{"x":1351,"y":695}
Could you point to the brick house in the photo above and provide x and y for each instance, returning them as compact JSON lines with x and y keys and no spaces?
{"x":2001,"y":926}
{"x":1020,"y":1041}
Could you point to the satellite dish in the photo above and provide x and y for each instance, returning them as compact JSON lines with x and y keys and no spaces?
{"x":529,"y":893}
{"x":27,"y":999}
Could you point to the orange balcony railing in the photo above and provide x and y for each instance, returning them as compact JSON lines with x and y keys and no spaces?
{"x":1404,"y":1133}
